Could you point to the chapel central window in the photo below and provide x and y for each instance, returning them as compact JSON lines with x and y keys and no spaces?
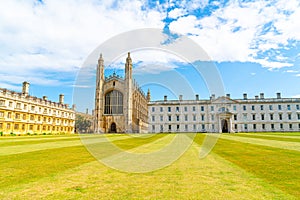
{"x":113,"y":102}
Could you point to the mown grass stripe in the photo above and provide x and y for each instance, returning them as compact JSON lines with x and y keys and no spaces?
{"x":279,"y":167}
{"x":268,"y":137}
{"x":265,"y":142}
{"x":9,"y":150}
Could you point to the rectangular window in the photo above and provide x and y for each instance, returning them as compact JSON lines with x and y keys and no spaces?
{"x":177,"y":109}
{"x":153,"y":109}
{"x":289,"y":116}
{"x":280,"y":116}
{"x":17,"y":116}
{"x":289,"y":107}
{"x":186,"y":127}
{"x":279,"y":107}
{"x":235,"y":117}
{"x":161,"y":109}
{"x":169,"y":109}
{"x":153,"y":118}
{"x":186,"y":117}
{"x":262,"y":116}
{"x":234,"y":107}
{"x":161,"y":118}
{"x":194,"y":108}
{"x":212,"y":108}
{"x":194,"y":126}
{"x":244,"y":107}
{"x":212,"y":117}
{"x":252,"y":107}
{"x":263,"y":126}
{"x":170,"y":118}
{"x":10,"y":104}
{"x":270,"y":107}
{"x":245,"y":126}
{"x":235,"y":126}
{"x":297,"y":107}
{"x":202,"y":108}
{"x":9,"y":115}
{"x":202,"y":117}
{"x":254,"y":126}
{"x":253,"y":117}
{"x":177,"y":118}
{"x":271,"y":116}
{"x":16,"y":127}
{"x":8,"y":126}
{"x":2,"y":102}
{"x":245,"y":116}
{"x":170,"y":127}
{"x":30,"y":127}
{"x":161,"y":128}
{"x":194,"y":117}
{"x":281,"y":126}
{"x":153,"y":127}
{"x":185,"y":109}
{"x":261,"y":107}
{"x":1,"y":114}
{"x":272,"y":126}
{"x":291,"y":126}
{"x":203,"y":126}
{"x":178,"y":126}
{"x":299,"y":126}
{"x":24,"y":116}
{"x":298,"y":116}
{"x":1,"y":126}
{"x":212,"y":126}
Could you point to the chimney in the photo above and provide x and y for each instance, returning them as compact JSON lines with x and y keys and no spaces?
{"x":87,"y":111}
{"x":262,"y":95}
{"x":74,"y":107}
{"x":45,"y":98}
{"x":278,"y":95}
{"x":165,"y":98}
{"x":197,"y":97}
{"x":228,"y":95}
{"x":180,"y":97}
{"x":256,"y":97}
{"x":61,"y":98}
{"x":213,"y":96}
{"x":245,"y":95}
{"x":25,"y":89}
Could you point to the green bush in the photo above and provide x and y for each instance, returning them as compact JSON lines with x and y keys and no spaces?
{"x":1,"y":133}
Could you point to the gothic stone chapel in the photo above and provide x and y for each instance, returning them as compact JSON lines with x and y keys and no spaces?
{"x":120,"y":104}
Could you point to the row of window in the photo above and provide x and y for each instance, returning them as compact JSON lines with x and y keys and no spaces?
{"x":19,"y":127}
{"x":263,"y":126}
{"x":203,"y":127}
{"x":32,"y":117}
{"x":271,"y":116}
{"x":35,"y":108}
{"x":202,"y":108}
{"x":212,"y":117}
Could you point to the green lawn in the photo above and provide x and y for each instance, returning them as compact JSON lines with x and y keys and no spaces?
{"x":240,"y":166}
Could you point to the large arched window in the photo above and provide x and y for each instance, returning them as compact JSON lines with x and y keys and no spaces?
{"x":113,"y":102}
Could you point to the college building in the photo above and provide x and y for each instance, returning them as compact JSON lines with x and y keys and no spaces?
{"x":21,"y":113}
{"x":225,"y":115}
{"x":120,"y":104}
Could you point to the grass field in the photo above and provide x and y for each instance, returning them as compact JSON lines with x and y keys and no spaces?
{"x":241,"y":166}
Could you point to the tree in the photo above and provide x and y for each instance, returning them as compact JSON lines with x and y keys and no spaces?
{"x":82,"y":124}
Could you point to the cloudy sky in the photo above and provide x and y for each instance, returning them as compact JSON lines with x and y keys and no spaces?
{"x":254,"y":44}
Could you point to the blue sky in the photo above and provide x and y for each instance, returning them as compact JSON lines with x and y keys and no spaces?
{"x":254,"y":44}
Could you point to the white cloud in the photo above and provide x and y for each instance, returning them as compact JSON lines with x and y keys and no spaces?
{"x":291,"y":71}
{"x":239,"y":32}
{"x":58,"y":35}
{"x":177,"y":12}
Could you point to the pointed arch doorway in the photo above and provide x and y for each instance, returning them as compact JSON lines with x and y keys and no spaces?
{"x":224,"y":124}
{"x":113,"y":127}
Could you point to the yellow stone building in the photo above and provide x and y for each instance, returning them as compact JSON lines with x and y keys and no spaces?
{"x":21,"y":113}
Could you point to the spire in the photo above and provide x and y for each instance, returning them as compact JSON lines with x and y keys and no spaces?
{"x":148,"y":95}
{"x":101,"y":61}
{"x":128,"y":59}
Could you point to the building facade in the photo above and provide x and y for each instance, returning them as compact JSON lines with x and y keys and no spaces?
{"x":21,"y":113}
{"x":223,"y":114}
{"x":120,"y":104}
